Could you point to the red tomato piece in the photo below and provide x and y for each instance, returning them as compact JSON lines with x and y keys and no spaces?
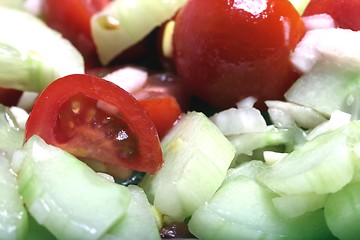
{"x":72,"y":19}
{"x":226,"y":50}
{"x":99,"y":123}
{"x":344,"y":12}
{"x":163,"y":109}
{"x":9,"y":97}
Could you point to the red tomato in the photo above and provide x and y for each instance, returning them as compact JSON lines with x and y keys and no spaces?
{"x":9,"y":97}
{"x":226,"y":50}
{"x":344,"y":12}
{"x":162,"y":108}
{"x":98,"y":122}
{"x":72,"y":19}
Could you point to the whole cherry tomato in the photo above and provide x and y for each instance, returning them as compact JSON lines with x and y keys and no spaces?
{"x":226,"y":50}
{"x":344,"y":12}
{"x":98,"y":122}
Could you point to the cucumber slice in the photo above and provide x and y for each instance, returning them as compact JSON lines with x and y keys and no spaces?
{"x":65,"y":195}
{"x":118,"y":26}
{"x":13,"y":216}
{"x":243,"y":209}
{"x":196,"y":158}
{"x":342,"y":212}
{"x":32,"y":58}
{"x":11,"y":135}
{"x":323,"y":165}
{"x":139,"y":222}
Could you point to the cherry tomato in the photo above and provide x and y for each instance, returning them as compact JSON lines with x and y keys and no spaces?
{"x":226,"y":50}
{"x":98,"y":122}
{"x":9,"y":97}
{"x":72,"y":19}
{"x":344,"y":12}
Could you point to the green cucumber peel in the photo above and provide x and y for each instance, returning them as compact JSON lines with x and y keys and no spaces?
{"x":35,"y":56}
{"x":122,"y":23}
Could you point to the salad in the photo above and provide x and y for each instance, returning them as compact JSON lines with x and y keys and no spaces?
{"x":186,"y":119}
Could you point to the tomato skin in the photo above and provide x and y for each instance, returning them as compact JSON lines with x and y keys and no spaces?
{"x":228,"y":50}
{"x":87,"y":141}
{"x":9,"y":97}
{"x":344,"y":12}
{"x":72,"y":19}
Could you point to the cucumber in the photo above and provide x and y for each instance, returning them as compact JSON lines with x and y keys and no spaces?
{"x":324,"y":165}
{"x":139,"y":222}
{"x":13,"y":215}
{"x":11,"y":134}
{"x":65,"y":195}
{"x":196,"y":158}
{"x":118,"y":26}
{"x":243,"y":209}
{"x":37,"y":231}
{"x":300,"y":5}
{"x":342,"y":212}
{"x":34,"y":57}
{"x":18,"y":4}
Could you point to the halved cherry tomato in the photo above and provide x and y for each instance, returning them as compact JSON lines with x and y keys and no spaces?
{"x":345,"y":12}
{"x":72,"y":19}
{"x":9,"y":97}
{"x":98,"y":122}
{"x":226,"y":50}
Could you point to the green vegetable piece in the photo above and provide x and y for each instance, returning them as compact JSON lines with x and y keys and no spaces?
{"x":342,"y":212}
{"x":139,"y":222}
{"x":65,"y":195}
{"x":11,"y":135}
{"x":118,"y":26}
{"x":243,"y":209}
{"x":323,"y":165}
{"x":19,"y":4}
{"x":13,"y":216}
{"x":32,"y":55}
{"x":196,"y":158}
{"x":300,"y":5}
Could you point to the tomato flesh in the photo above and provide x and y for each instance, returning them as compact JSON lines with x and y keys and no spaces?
{"x":9,"y":97}
{"x":98,"y":122}
{"x":344,"y":12}
{"x":228,"y":50}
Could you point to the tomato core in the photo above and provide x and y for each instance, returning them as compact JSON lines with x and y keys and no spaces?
{"x":84,"y":120}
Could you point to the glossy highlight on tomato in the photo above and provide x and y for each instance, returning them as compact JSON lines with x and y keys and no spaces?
{"x":98,"y":122}
{"x":227,"y":50}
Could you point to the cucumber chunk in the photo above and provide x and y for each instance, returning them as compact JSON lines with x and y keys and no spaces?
{"x":243,"y":209}
{"x":139,"y":222}
{"x":65,"y":195}
{"x":196,"y":158}
{"x":323,"y":165}
{"x":11,"y":134}
{"x":118,"y":26}
{"x":13,"y":215}
{"x":32,"y":58}
{"x":342,"y":212}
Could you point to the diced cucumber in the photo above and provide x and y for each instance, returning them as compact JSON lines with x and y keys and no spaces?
{"x":118,"y":26}
{"x":19,"y":4}
{"x":243,"y":209}
{"x":11,"y":135}
{"x":323,"y":165}
{"x":250,"y":146}
{"x":37,"y":231}
{"x":196,"y":158}
{"x":65,"y":195}
{"x":139,"y":222}
{"x":13,"y":216}
{"x":342,"y":212}
{"x":36,"y":55}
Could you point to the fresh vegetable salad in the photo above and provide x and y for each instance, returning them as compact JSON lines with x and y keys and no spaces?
{"x":187,"y":119}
